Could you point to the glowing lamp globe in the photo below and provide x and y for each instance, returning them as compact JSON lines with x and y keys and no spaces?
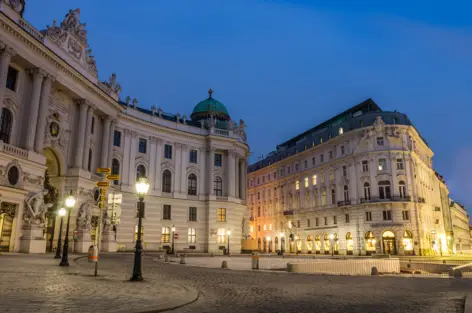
{"x":70,"y":201}
{"x":142,"y":187}
{"x":62,"y":212}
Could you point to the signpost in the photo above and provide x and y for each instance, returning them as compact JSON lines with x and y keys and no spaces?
{"x":101,"y":204}
{"x":176,"y":236}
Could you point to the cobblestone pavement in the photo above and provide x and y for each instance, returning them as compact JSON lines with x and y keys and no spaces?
{"x":37,"y":284}
{"x":31,"y":283}
{"x":271,"y":291}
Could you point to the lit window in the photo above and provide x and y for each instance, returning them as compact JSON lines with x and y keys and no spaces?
{"x":192,"y":235}
{"x":306,"y":182}
{"x":265,"y":227}
{"x":297,"y":185}
{"x":221,"y":235}
{"x":382,"y":164}
{"x":341,"y":130}
{"x":314,"y":180}
{"x":165,"y":238}
{"x":221,"y":215}
{"x":321,"y":139}
{"x":270,"y":226}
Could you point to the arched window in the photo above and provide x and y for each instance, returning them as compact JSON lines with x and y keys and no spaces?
{"x":366,"y":191}
{"x":384,"y":189}
{"x":192,"y":184}
{"x":218,"y":186}
{"x":166,"y":181}
{"x":346,"y":193}
{"x":402,"y":189}
{"x":115,"y":169}
{"x":140,"y":171}
{"x":333,"y":196}
{"x":89,"y":167}
{"x":348,"y":236}
{"x":5,"y":125}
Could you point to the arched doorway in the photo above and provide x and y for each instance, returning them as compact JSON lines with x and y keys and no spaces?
{"x":369,"y":243}
{"x":51,"y":180}
{"x":291,"y":244}
{"x":336,"y":244}
{"x":299,"y":243}
{"x":7,"y":213}
{"x":349,"y":244}
{"x":276,"y":244}
{"x":407,"y":242}
{"x":327,"y":245}
{"x":282,"y":244}
{"x":317,"y":244}
{"x":265,"y":245}
{"x":388,"y":243}
{"x":259,"y":244}
{"x":309,"y":244}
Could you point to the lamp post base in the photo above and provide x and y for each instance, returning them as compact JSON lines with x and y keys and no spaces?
{"x":64,"y":263}
{"x":136,"y":277}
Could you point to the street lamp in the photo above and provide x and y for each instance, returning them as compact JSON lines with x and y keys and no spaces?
{"x":70,"y":203}
{"x":282,"y":243}
{"x":142,"y":188}
{"x":228,"y":233}
{"x":173,"y":232}
{"x":268,"y":242}
{"x":331,"y":237}
{"x":62,"y":212}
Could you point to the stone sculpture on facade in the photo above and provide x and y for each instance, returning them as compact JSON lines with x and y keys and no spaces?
{"x":113,"y":86}
{"x":36,"y":209}
{"x":84,"y":217}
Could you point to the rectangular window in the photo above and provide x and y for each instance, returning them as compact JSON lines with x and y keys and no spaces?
{"x":165,"y":235}
{"x":387,"y":215}
{"x":322,"y":158}
{"x":192,"y":235}
{"x":308,"y":223}
{"x":263,"y":179}
{"x":117,"y":138}
{"x":365,"y":166}
{"x":193,"y":156}
{"x":406,"y":215}
{"x":382,"y":164}
{"x":221,"y":235}
{"x":265,"y":227}
{"x":317,"y":222}
{"x":221,"y":215}
{"x":368,"y":216}
{"x":296,"y":167}
{"x":167,"y":212}
{"x":168,"y":152}
{"x":326,"y":220}
{"x":347,"y":218}
{"x":297,"y":185}
{"x":93,"y":125}
{"x":331,"y":174}
{"x":322,"y":178}
{"x":342,"y":150}
{"x":399,"y":164}
{"x":307,"y":182}
{"x":142,"y":145}
{"x":218,"y":159}
{"x":335,"y":220}
{"x":12,"y":76}
{"x":314,"y":180}
{"x":313,"y":161}
{"x":288,"y":169}
{"x":306,"y":164}
{"x":344,"y":171}
{"x":331,"y":155}
{"x":380,"y":141}
{"x":275,"y":175}
{"x":258,"y":195}
{"x":192,"y":214}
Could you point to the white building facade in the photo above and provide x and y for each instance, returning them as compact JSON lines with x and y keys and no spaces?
{"x":59,"y":123}
{"x":361,"y":183}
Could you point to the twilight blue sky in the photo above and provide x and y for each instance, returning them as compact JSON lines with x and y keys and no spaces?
{"x":285,"y":65}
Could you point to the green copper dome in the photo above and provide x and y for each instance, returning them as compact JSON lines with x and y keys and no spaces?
{"x":209,"y":107}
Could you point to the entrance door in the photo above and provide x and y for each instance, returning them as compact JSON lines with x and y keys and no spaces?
{"x":388,"y":243}
{"x":6,"y":225}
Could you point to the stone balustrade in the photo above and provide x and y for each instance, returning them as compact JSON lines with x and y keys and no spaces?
{"x":12,"y":150}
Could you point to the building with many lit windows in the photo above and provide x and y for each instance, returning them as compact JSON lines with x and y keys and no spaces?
{"x":59,"y":123}
{"x":359,"y":183}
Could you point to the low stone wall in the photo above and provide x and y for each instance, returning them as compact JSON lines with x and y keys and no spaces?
{"x":346,"y":267}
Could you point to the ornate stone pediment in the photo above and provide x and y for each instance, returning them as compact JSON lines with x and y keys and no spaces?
{"x":71,"y":37}
{"x":56,"y":132}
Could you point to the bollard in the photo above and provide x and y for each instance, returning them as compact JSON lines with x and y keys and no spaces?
{"x":182,"y":259}
{"x":224,"y":264}
{"x":255,"y":261}
{"x":374,"y":271}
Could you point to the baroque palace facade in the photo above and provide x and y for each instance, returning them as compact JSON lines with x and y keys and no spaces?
{"x":358,"y":184}
{"x":59,"y":123}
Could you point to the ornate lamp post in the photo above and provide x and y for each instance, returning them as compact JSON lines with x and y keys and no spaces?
{"x":282,"y":243}
{"x":173,"y":233}
{"x":62,"y":213}
{"x":142,"y":188}
{"x":331,"y":238}
{"x":70,"y":203}
{"x":228,"y":233}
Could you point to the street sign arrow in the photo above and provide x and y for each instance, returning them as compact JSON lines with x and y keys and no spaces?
{"x":105,"y":170}
{"x":113,"y":177}
{"x":103,"y":184}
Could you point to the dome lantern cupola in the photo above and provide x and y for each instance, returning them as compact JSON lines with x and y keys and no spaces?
{"x":210,"y":107}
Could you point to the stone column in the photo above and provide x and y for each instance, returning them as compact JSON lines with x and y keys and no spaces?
{"x":79,"y":153}
{"x":43,"y":113}
{"x":184,"y":161}
{"x":126,"y":157}
{"x":38,"y":76}
{"x":110,"y":141}
{"x":159,"y":155}
{"x":132,"y":158}
{"x":202,"y":159}
{"x":88,"y":129}
{"x":152,"y":162}
{"x":231,"y":175}
{"x":178,"y":168}
{"x":6,"y":54}
{"x":243,"y":179}
{"x":105,"y":141}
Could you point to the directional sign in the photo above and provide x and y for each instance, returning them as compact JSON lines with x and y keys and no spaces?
{"x":103,"y":191}
{"x":113,"y":177}
{"x":105,"y":170}
{"x":103,"y":184}
{"x":176,"y":236}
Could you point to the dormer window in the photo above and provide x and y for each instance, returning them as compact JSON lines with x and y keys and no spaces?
{"x":340,"y":131}
{"x":380,"y":141}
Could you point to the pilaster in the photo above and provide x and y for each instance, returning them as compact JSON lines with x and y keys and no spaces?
{"x":88,"y":128}
{"x":178,"y":168}
{"x":6,"y":54}
{"x":83,"y":106}
{"x":132,"y":158}
{"x":105,"y":141}
{"x":126,"y":157}
{"x":38,"y":76}
{"x":184,"y":163}
{"x":43,"y":112}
